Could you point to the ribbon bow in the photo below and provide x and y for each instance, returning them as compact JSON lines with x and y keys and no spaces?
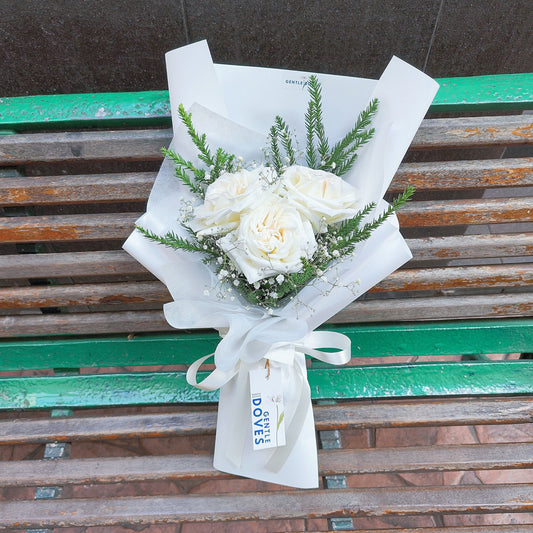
{"x":290,"y":357}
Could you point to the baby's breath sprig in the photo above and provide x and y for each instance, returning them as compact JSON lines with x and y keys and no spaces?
{"x":270,"y":292}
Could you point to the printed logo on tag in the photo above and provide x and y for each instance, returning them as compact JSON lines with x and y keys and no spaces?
{"x":266,"y":404}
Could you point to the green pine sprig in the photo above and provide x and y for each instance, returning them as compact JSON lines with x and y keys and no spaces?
{"x":276,"y":160}
{"x":316,"y":154}
{"x":280,"y":134}
{"x":176,"y":242}
{"x":182,"y":170}
{"x":344,"y":153}
{"x":198,"y":179}
{"x":349,"y":232}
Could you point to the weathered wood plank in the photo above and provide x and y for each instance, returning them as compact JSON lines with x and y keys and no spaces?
{"x":473,"y":131}
{"x":89,"y":188}
{"x":457,"y":212}
{"x":146,"y":144}
{"x":330,"y":462}
{"x":120,"y":225}
{"x":468,"y":277}
{"x":272,"y":505}
{"x":84,"y":294}
{"x":515,"y":528}
{"x":124,"y":187}
{"x":355,"y":415}
{"x":111,"y":262}
{"x":438,"y":308}
{"x":126,"y":145}
{"x":471,"y":246}
{"x":364,"y":311}
{"x":69,"y":264}
{"x":67,"y":227}
{"x":154,"y":292}
{"x":84,"y":323}
{"x":457,"y":175}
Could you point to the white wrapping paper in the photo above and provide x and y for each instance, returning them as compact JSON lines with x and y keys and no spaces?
{"x":235,"y":106}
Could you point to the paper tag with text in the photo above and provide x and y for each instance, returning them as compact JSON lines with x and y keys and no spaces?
{"x":266,"y":403}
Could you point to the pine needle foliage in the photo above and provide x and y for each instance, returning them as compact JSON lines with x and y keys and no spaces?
{"x":318,"y":155}
{"x":198,"y":179}
{"x":172,"y":240}
{"x":350,"y":231}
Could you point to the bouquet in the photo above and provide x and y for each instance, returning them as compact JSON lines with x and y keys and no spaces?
{"x":265,"y":236}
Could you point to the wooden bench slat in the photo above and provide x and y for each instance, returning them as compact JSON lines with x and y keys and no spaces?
{"x":116,"y":226}
{"x":273,"y":505}
{"x":84,"y":323}
{"x":457,"y":175}
{"x":88,"y":294}
{"x":126,"y":145}
{"x":473,"y":131}
{"x":485,"y":211}
{"x":471,"y":246}
{"x":146,"y":144}
{"x":438,"y":308}
{"x":154,"y":292}
{"x":111,"y":262}
{"x":136,"y":186}
{"x":515,"y":528}
{"x":89,"y":188}
{"x":364,"y":311}
{"x":331,"y":462}
{"x":412,"y":279}
{"x":355,"y":415}
{"x":120,"y":225}
{"x":70,"y":264}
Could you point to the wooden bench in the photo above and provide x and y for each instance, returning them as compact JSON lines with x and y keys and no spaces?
{"x":84,"y":338}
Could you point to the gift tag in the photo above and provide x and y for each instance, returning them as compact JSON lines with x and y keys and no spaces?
{"x":266,"y":404}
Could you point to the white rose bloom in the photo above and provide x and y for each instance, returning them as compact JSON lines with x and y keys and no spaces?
{"x":227,"y":198}
{"x":270,"y":240}
{"x":323,"y":198}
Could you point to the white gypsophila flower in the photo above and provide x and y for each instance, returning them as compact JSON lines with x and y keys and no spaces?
{"x":270,"y":240}
{"x":321,"y":197}
{"x":227,"y":198}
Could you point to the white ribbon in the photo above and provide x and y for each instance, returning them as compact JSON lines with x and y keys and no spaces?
{"x":281,"y":353}
{"x":308,"y":346}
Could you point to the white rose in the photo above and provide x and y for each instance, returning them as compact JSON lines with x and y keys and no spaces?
{"x":227,"y":198}
{"x":323,"y":198}
{"x":270,"y":240}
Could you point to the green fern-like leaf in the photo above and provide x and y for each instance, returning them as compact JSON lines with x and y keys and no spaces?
{"x":343,"y":155}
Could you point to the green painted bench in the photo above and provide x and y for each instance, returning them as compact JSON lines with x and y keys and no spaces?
{"x":444,"y":341}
